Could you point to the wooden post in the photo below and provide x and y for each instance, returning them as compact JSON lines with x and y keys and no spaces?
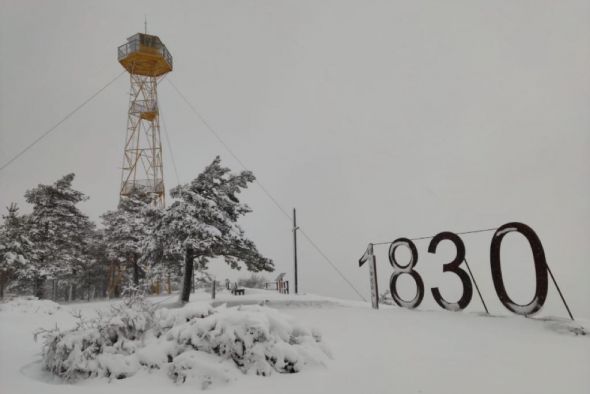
{"x":295,"y":228}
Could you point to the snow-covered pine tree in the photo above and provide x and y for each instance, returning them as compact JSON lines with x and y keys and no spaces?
{"x":202,"y":223}
{"x":60,"y":233}
{"x":125,"y":231}
{"x":16,"y":250}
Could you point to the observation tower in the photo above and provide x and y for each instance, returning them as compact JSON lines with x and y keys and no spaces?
{"x":147,"y":60}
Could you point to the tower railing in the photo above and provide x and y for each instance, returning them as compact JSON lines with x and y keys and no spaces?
{"x":140,"y":106}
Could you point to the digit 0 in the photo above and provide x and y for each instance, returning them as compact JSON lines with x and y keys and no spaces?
{"x":540,"y":269}
{"x":405,"y":269}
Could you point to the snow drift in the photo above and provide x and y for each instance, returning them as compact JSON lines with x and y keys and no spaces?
{"x":197,"y":343}
{"x":30,"y":304}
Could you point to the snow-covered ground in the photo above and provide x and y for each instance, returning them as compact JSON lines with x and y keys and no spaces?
{"x":390,"y":350}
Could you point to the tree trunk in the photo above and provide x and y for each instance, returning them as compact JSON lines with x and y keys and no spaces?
{"x":188,"y":274}
{"x":3,"y":282}
{"x":135,"y":272}
{"x":38,"y":284}
{"x":193,"y":281}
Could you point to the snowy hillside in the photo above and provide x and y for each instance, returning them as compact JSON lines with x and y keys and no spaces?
{"x":390,"y":350}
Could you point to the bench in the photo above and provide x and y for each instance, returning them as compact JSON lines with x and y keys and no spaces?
{"x":236,"y":291}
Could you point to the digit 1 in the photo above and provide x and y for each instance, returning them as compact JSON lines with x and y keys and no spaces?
{"x":540,"y":269}
{"x":370,"y":257}
{"x":454,"y":267}
{"x":405,"y":269}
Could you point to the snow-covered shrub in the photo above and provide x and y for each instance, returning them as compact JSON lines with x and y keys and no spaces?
{"x":196,"y":343}
{"x":128,"y":320}
{"x":104,"y":346}
{"x":72,"y":354}
{"x":167,"y":318}
{"x":256,"y":338}
{"x":201,"y":368}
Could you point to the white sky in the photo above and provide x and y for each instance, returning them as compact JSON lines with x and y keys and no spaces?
{"x":375,"y":119}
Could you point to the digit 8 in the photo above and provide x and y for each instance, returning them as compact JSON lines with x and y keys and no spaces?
{"x":405,"y":269}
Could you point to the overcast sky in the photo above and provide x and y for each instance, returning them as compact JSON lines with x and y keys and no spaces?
{"x":376,"y":119}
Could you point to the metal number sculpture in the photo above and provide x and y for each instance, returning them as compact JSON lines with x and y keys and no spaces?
{"x":541,"y":272}
{"x":454,"y":267}
{"x":405,"y":269}
{"x":540,"y":269}
{"x":368,"y":256}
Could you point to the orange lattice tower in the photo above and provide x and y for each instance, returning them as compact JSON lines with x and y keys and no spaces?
{"x":147,"y":60}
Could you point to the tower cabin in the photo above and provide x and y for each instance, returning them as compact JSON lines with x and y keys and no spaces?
{"x":146,"y":55}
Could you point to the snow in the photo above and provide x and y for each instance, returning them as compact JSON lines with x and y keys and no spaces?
{"x":373,"y":351}
{"x":203,"y":369}
{"x":30,"y":305}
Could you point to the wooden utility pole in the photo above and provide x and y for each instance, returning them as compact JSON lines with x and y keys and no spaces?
{"x":295,"y":228}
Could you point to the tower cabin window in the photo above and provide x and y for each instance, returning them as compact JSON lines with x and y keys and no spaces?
{"x":146,"y":40}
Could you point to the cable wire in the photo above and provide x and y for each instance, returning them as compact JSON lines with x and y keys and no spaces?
{"x":432,"y":236}
{"x":169,"y":147}
{"x":49,"y":131}
{"x":268,"y":194}
{"x":230,"y":151}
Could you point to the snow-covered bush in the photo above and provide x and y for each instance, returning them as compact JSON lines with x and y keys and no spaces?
{"x":196,"y":343}
{"x":72,"y":355}
{"x":128,"y":320}
{"x":168,"y":318}
{"x":104,"y":346}
{"x":201,"y":368}
{"x":256,"y":338}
